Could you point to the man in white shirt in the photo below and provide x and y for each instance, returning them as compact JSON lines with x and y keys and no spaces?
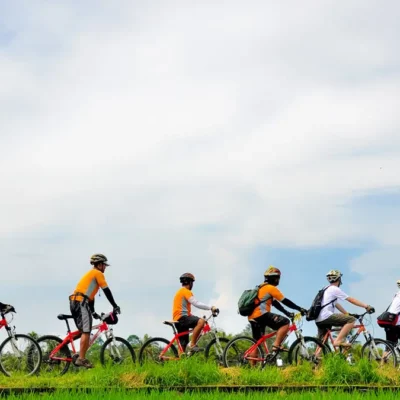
{"x":393,"y":332}
{"x":328,"y":318}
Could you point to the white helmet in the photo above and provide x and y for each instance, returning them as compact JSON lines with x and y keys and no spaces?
{"x":333,"y":275}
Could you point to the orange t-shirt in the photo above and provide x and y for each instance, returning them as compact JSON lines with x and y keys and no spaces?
{"x":266,"y":294}
{"x":90,"y":283}
{"x":181,"y":306}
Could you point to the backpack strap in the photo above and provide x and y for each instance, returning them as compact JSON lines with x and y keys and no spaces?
{"x":259,"y":287}
{"x":331,"y":302}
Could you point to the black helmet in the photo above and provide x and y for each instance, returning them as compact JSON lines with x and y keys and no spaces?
{"x":99,"y":258}
{"x":186,"y":278}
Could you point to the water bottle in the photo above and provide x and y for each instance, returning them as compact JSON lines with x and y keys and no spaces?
{"x":279,"y":361}
{"x":350,"y":359}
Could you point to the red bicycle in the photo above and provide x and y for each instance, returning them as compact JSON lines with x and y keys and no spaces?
{"x":57,"y":356}
{"x":159,"y":350}
{"x":18,"y":353}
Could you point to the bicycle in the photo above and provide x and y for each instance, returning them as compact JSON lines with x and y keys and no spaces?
{"x":373,"y":349}
{"x":246,"y":351}
{"x":159,"y":350}
{"x":57,"y":356}
{"x":18,"y":353}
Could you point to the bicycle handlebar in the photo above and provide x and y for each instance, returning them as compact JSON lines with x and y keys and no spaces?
{"x":361,"y":316}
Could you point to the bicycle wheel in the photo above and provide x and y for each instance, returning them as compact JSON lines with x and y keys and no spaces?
{"x":20,"y":354}
{"x":60,"y":361}
{"x":235,"y":349}
{"x":215,"y":350}
{"x":380,"y":351}
{"x":117,"y":351}
{"x":152,"y":349}
{"x":304,"y":351}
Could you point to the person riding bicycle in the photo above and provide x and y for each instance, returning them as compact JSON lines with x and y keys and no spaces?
{"x":393,"y":332}
{"x":82,"y":303}
{"x":181,"y":312}
{"x":262,"y":317}
{"x":328,"y":318}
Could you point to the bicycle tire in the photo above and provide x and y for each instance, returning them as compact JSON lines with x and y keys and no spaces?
{"x":150,"y":353}
{"x":9,"y":364}
{"x":128,"y":356}
{"x":235,"y":349}
{"x":218,"y":358}
{"x":294,"y":356}
{"x":392,"y":352}
{"x":56,"y":367}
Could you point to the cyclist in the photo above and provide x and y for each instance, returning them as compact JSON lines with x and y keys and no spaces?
{"x":328,"y":318}
{"x":82,"y":303}
{"x":181,"y":312}
{"x":269,"y":295}
{"x":393,"y":332}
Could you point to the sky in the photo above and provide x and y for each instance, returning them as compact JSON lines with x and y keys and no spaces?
{"x":216,"y":138}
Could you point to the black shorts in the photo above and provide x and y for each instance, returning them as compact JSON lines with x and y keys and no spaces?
{"x":392,"y":334}
{"x":82,"y":315}
{"x":186,"y":323}
{"x":273,"y":321}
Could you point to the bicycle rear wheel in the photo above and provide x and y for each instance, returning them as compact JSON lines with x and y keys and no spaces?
{"x":156,"y":350}
{"x":117,"y":351}
{"x":60,"y":361}
{"x":379,"y":351}
{"x":20,"y":354}
{"x":215,"y":350}
{"x":309,"y":350}
{"x":234,"y":353}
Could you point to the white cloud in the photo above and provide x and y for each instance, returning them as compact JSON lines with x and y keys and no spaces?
{"x":179,"y":138}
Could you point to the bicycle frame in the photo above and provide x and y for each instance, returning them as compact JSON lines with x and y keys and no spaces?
{"x":10,"y":332}
{"x":72,"y":336}
{"x":206,"y":329}
{"x":263,"y":342}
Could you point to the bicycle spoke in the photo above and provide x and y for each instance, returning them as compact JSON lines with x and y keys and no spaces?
{"x":234,"y":354}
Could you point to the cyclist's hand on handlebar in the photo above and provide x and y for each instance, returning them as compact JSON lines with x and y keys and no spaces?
{"x":290,"y":315}
{"x":303,"y":312}
{"x":370,"y":309}
{"x":117,"y":310}
{"x":214,"y":310}
{"x":96,"y":316}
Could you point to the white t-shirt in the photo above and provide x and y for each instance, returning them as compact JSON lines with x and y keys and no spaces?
{"x":332,"y":294}
{"x":395,"y":306}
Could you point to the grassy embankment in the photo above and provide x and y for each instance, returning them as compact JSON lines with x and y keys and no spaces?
{"x":193,"y":372}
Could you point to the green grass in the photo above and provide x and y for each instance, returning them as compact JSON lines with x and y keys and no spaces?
{"x":196,"y":372}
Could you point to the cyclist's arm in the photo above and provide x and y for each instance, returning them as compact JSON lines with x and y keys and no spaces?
{"x":198,"y":304}
{"x":110,"y":297}
{"x":91,"y":305}
{"x":356,"y":302}
{"x":279,"y":307}
{"x":290,"y":304}
{"x":341,"y":309}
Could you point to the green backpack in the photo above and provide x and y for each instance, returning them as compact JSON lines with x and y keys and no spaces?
{"x":247,"y":302}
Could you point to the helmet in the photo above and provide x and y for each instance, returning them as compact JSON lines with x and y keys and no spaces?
{"x":186,"y":278}
{"x":98,"y":258}
{"x":398,"y":283}
{"x":272,"y":271}
{"x":333,"y":275}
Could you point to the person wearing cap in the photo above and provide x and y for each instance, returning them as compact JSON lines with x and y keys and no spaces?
{"x":181,"y":312}
{"x":82,"y":303}
{"x":328,"y":318}
{"x":393,"y":332}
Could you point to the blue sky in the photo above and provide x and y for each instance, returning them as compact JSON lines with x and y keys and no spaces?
{"x":216,"y":140}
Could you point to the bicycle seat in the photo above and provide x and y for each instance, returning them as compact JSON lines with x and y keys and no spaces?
{"x":64,"y":316}
{"x":171,"y":323}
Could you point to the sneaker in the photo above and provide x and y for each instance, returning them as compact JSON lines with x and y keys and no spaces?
{"x":191,"y":350}
{"x":83,"y":362}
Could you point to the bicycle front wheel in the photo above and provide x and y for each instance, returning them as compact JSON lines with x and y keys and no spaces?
{"x":59,"y":362}
{"x":307,"y":350}
{"x":379,"y":351}
{"x":20,"y":354}
{"x":117,"y":351}
{"x":215,"y":350}
{"x":156,"y":350}
{"x":235,"y":353}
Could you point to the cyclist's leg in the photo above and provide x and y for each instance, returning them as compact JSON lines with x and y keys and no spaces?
{"x":257,"y":331}
{"x":278,"y":323}
{"x":83,"y":321}
{"x":189,"y":322}
{"x":347,"y":323}
{"x":392,"y":336}
{"x":323,"y":329}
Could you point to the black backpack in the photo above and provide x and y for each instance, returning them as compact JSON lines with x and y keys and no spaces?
{"x":316,"y":305}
